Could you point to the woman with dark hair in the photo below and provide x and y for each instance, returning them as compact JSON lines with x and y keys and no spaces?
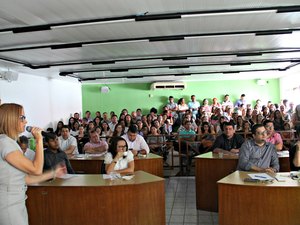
{"x":105,"y":133}
{"x":59,"y":126}
{"x":97,"y":121}
{"x":278,"y":120}
{"x":128,"y":122}
{"x":206,"y":136}
{"x":71,"y":123}
{"x":118,"y":159}
{"x":16,"y":170}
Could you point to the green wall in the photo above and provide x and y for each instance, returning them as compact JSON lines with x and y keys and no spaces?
{"x":139,"y":95}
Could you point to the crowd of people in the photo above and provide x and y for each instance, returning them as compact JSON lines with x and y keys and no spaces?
{"x":123,"y":137}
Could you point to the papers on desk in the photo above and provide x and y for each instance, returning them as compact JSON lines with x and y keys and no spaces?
{"x":67,"y":176}
{"x":261,"y":176}
{"x":114,"y":176}
{"x":283,"y":153}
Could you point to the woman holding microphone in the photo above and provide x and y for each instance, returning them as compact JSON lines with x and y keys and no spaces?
{"x":16,"y":171}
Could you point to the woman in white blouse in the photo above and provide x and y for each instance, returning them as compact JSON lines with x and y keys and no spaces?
{"x":118,"y":159}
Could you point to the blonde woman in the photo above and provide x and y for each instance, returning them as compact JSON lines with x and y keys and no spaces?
{"x":16,"y":170}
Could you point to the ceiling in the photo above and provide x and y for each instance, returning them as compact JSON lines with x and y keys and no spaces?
{"x":124,"y":41}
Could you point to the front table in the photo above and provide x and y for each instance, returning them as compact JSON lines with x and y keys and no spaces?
{"x":89,"y":199}
{"x":92,"y":165}
{"x":209,"y":169}
{"x":258,"y":203}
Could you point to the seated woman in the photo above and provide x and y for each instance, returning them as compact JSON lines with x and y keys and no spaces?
{"x":118,"y":159}
{"x":156,"y":142}
{"x":206,"y":137}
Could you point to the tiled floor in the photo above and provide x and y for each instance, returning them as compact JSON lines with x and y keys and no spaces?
{"x":181,"y":203}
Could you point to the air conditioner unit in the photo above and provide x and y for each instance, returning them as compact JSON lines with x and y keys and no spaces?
{"x":9,"y":75}
{"x":168,"y":85}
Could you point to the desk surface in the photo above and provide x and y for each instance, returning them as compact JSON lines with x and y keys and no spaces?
{"x":84,"y":180}
{"x":89,"y":199}
{"x":237,"y":178}
{"x":258,"y":203}
{"x":206,"y":183}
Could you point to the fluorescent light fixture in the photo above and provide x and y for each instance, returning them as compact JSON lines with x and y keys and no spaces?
{"x":289,"y":9}
{"x":63,"y":46}
{"x":216,"y":35}
{"x":229,"y":13}
{"x":273,"y":32}
{"x":179,"y":67}
{"x":158,"y":17}
{"x":92,"y":23}
{"x":115,"y":42}
{"x":6,"y":32}
{"x":167,"y":38}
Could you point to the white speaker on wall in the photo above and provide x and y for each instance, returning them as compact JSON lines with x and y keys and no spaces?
{"x":9,"y":75}
{"x":104,"y":89}
{"x":261,"y":82}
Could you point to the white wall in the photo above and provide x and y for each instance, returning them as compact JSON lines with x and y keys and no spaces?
{"x":290,"y":86}
{"x":45,"y":100}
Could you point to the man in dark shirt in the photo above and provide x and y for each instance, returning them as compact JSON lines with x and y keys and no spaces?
{"x":53,"y":156}
{"x":228,"y":142}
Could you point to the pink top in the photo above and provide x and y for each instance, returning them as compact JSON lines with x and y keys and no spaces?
{"x":275,"y":139}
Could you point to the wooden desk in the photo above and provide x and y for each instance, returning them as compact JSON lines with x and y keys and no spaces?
{"x":92,"y":165}
{"x":89,"y":199}
{"x":258,"y":203}
{"x":209,"y":168}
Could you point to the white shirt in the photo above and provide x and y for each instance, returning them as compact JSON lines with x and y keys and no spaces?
{"x":29,"y":154}
{"x":122,"y":162}
{"x":64,"y":144}
{"x":138,"y":144}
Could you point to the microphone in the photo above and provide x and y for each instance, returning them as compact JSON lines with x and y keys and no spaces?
{"x":45,"y":134}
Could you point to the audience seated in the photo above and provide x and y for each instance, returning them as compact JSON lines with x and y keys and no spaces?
{"x":24,"y":143}
{"x":67,"y":143}
{"x":136,"y":143}
{"x":273,"y":136}
{"x":53,"y":155}
{"x":228,"y":142}
{"x":95,"y":145}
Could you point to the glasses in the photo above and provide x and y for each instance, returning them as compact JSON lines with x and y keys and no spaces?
{"x":121,"y":146}
{"x":261,"y":133}
{"x":22,"y":118}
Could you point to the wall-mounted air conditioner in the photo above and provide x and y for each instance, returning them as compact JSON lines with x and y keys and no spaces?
{"x":168,"y":85}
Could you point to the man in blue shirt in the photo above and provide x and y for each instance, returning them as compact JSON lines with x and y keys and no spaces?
{"x":257,"y":154}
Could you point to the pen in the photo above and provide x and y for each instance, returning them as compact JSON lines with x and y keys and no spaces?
{"x":260,"y":176}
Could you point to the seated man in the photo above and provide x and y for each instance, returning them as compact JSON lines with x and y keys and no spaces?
{"x":95,"y":145}
{"x":67,"y":142}
{"x":295,"y":154}
{"x":53,"y":155}
{"x":28,"y":153}
{"x":136,"y":143}
{"x":229,"y":142}
{"x":187,"y":134}
{"x":272,"y":136}
{"x":258,"y":154}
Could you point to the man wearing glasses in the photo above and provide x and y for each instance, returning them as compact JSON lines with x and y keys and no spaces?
{"x":258,"y":154}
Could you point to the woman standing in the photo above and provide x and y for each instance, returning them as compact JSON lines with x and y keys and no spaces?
{"x":16,"y":170}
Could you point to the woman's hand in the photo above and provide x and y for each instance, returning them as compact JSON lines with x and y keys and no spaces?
{"x":37,"y":133}
{"x":60,"y":171}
